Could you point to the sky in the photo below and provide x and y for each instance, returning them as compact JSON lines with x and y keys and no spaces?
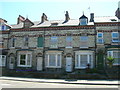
{"x":55,"y":9}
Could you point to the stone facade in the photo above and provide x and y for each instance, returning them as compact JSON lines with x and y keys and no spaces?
{"x":61,"y":48}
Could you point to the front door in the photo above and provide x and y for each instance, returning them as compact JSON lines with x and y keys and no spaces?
{"x":11,"y":63}
{"x":39,"y":64}
{"x":68,"y":64}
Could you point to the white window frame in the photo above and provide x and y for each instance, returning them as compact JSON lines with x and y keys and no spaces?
{"x":98,"y":38}
{"x":79,"y":53}
{"x":112,"y":55}
{"x":25,"y":59}
{"x":56,"y":55}
{"x":68,"y":40}
{"x":1,"y":58}
{"x":118,"y":38}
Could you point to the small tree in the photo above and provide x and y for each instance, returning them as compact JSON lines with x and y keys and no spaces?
{"x":110,"y":61}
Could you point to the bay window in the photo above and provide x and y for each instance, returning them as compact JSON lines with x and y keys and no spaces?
{"x":53,"y":60}
{"x":115,"y":55}
{"x":2,"y":60}
{"x":82,"y":59}
{"x":24,"y":59}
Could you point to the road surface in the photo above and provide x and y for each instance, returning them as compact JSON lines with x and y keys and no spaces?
{"x":24,"y":84}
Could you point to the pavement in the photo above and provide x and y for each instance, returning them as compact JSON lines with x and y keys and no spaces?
{"x":64,"y":81}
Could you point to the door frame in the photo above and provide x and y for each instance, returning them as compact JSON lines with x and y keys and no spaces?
{"x":71,"y":66}
{"x":39,"y":59}
{"x":11,"y":65}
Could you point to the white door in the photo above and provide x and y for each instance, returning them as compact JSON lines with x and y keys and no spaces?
{"x":39,"y":64}
{"x":68,"y":64}
{"x":11,"y":63}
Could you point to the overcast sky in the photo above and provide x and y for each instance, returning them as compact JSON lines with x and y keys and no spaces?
{"x":55,"y":9}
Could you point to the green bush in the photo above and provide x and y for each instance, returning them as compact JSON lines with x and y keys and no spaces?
{"x":110,"y":61}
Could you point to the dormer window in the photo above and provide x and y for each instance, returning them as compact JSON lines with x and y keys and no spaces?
{"x":113,"y":19}
{"x":83,"y":20}
{"x":54,"y":24}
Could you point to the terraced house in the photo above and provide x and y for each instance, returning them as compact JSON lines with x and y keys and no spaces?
{"x":65,"y":45}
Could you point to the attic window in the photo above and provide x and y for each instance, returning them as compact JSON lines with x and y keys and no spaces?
{"x":113,"y":19}
{"x":54,"y":24}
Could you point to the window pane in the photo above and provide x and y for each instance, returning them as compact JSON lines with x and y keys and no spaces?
{"x":40,"y":41}
{"x":116,"y":55}
{"x":68,"y":38}
{"x":54,"y":39}
{"x":28,"y":59}
{"x":22,"y":59}
{"x":100,"y":35}
{"x":68,"y":41}
{"x":100,"y":41}
{"x":11,"y":60}
{"x":110,"y":54}
{"x":115,"y":35}
{"x":83,"y":38}
{"x":3,"y":27}
{"x":46,"y":60}
{"x":3,"y":60}
{"x":52,"y":61}
{"x":83,"y":60}
{"x":58,"y":59}
{"x":77,"y":60}
{"x":90,"y":58}
{"x":83,"y":21}
{"x":115,"y":40}
{"x":26,"y":41}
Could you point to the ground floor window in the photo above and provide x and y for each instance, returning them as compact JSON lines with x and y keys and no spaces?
{"x":2,"y":60}
{"x":115,"y":55}
{"x":82,"y":59}
{"x":53,"y":60}
{"x":24,"y":59}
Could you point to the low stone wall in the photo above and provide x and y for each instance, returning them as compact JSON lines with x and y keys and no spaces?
{"x":58,"y":75}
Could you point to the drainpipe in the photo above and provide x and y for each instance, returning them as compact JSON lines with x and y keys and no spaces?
{"x":95,"y":46}
{"x":44,"y":50}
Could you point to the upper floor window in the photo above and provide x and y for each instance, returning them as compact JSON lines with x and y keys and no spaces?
{"x":84,"y":42}
{"x":54,"y":41}
{"x":100,"y":38}
{"x":69,"y":42}
{"x":40,"y":41}
{"x":84,"y":38}
{"x":99,"y":35}
{"x":115,"y":37}
{"x":12,"y":42}
{"x":26,"y":41}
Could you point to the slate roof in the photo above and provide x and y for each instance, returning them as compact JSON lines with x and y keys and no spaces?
{"x":71,"y":22}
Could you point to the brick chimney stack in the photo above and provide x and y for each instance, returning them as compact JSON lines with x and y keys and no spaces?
{"x":44,"y":18}
{"x":67,"y":18}
{"x":92,"y":17}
